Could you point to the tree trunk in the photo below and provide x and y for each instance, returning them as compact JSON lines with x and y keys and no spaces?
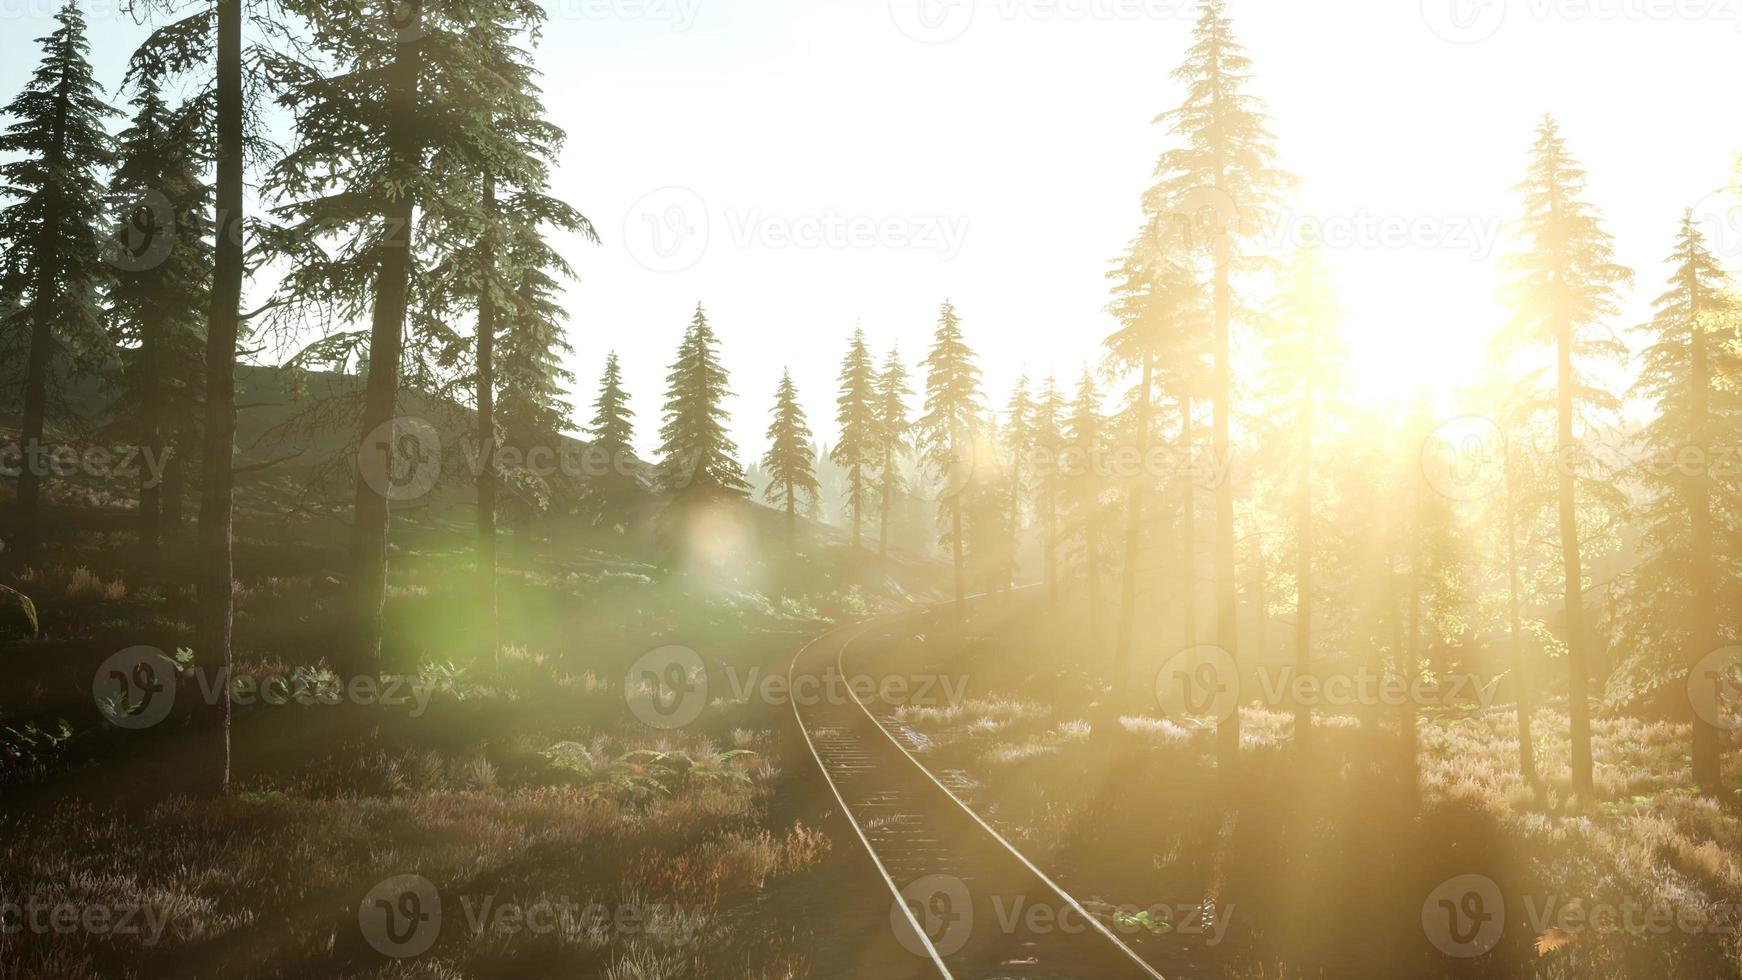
{"x":1707,"y":747}
{"x":957,"y":556}
{"x":174,"y":484}
{"x":1578,"y":668}
{"x":217,"y":572}
{"x":1227,"y":599}
{"x":151,"y":443}
{"x":1188,"y":530}
{"x":1303,"y":576}
{"x":1409,"y":651}
{"x":858,"y":506}
{"x":386,"y":346}
{"x":34,"y":463}
{"x":1133,"y":538}
{"x":487,"y":434}
{"x":884,"y":507}
{"x":1092,"y":568}
{"x":1052,"y":558}
{"x":1526,"y":741}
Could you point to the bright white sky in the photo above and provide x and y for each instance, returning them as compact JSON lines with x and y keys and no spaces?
{"x":1005,"y":158}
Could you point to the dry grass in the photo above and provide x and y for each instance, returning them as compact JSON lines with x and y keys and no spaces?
{"x":280,"y":873}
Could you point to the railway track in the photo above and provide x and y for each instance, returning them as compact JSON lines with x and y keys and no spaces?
{"x":963,"y":900}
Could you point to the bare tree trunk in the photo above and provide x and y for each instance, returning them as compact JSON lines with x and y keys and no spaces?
{"x":217,"y":570}
{"x":1409,"y":652}
{"x":959,"y":559}
{"x":151,"y":444}
{"x":1707,"y":748}
{"x":1092,"y":568}
{"x":1052,"y":558}
{"x":885,"y":506}
{"x":487,"y":434}
{"x":174,"y":484}
{"x":1188,"y":531}
{"x":1133,"y":537}
{"x":386,"y":346}
{"x":1303,"y":576}
{"x":1227,"y":598}
{"x":29,"y":502}
{"x":1578,"y":667}
{"x":1526,"y":741}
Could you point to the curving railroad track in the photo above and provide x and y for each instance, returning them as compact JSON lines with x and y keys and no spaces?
{"x":964,"y":901}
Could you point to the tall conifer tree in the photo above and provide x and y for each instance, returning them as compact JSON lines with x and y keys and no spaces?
{"x":792,"y":479}
{"x":1565,"y":287}
{"x":53,"y":229}
{"x":1222,"y":185}
{"x":856,"y":413}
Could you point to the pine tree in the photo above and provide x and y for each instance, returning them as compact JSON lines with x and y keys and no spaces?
{"x":856,"y":413}
{"x":893,"y":428}
{"x":161,"y":294}
{"x":1159,"y":305}
{"x":210,"y":38}
{"x":52,"y":232}
{"x":1304,"y":366}
{"x":698,"y":465}
{"x":1222,"y":173}
{"x":1564,"y":287}
{"x":1019,"y":450}
{"x":950,"y":434}
{"x":393,"y":128}
{"x":1682,"y":595}
{"x":1085,"y":496}
{"x":788,"y":460}
{"x":1049,"y":441}
{"x":613,"y":495}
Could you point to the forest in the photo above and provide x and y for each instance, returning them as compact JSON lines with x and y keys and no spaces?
{"x":354,"y":625}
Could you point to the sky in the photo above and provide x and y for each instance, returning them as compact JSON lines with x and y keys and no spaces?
{"x":802,"y":166}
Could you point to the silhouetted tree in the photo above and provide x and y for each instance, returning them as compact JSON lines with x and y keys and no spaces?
{"x":158,"y":306}
{"x":698,"y":465}
{"x":53,"y":232}
{"x":893,"y":428}
{"x":1049,"y":441}
{"x":788,"y":460}
{"x":1084,"y":495}
{"x":1303,"y":386}
{"x":1018,"y":435}
{"x":1682,"y":595}
{"x":614,"y":495}
{"x":1564,"y":287}
{"x":1159,"y":304}
{"x":856,"y":413}
{"x":950,"y":434}
{"x":1222,"y":174}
